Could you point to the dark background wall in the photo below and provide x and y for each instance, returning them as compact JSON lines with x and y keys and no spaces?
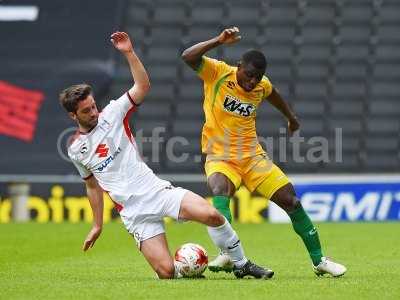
{"x":336,"y":62}
{"x":67,"y":44}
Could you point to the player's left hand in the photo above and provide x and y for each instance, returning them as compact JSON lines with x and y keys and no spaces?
{"x":293,"y":125}
{"x":121,"y":41}
{"x":91,"y":238}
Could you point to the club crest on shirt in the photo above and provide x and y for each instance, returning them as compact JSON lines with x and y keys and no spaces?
{"x":238,"y":107}
{"x":230,"y":85}
{"x":83,"y":149}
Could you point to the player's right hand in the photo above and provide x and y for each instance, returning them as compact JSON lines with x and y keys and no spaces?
{"x":229,"y":36}
{"x":91,"y":238}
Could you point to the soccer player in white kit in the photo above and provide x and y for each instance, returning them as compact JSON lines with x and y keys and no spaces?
{"x":106,"y":156}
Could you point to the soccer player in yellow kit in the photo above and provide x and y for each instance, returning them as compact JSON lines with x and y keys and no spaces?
{"x":229,"y":141}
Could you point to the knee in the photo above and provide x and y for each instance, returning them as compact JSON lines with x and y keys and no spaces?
{"x":289,"y":203}
{"x":214,"y":218}
{"x":165,"y":270}
{"x":286,"y":199}
{"x":220,"y":185}
{"x":220,"y":189}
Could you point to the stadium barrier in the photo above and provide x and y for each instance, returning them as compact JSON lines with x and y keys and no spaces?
{"x":333,"y":198}
{"x":347,"y":198}
{"x":19,"y":195}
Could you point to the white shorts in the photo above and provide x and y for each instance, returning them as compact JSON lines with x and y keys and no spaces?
{"x":143,"y":217}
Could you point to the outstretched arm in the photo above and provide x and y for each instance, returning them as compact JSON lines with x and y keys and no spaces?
{"x":276,"y":100}
{"x":192,"y":56}
{"x":141,"y":86}
{"x":95,"y":195}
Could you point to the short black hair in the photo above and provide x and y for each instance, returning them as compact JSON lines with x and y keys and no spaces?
{"x":70,"y":97}
{"x":256,"y":58}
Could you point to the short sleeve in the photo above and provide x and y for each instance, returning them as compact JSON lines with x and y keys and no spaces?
{"x":267,"y":86}
{"x":120,"y":107}
{"x":82,"y":170}
{"x":210,"y":68}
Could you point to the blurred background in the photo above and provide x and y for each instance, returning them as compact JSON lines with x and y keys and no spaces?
{"x":336,"y":62}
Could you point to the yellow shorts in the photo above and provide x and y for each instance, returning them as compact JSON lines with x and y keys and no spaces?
{"x":257,"y":172}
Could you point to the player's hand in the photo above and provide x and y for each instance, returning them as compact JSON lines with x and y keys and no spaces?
{"x":293,"y":125}
{"x":121,"y":41}
{"x":229,"y":36}
{"x":91,"y":238}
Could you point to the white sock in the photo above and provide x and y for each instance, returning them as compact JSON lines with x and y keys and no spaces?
{"x":225,"y":238}
{"x":177,"y":273}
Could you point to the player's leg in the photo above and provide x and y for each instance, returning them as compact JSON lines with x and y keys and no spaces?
{"x":193,"y":207}
{"x":274,"y":185}
{"x":196,"y":208}
{"x":286,"y":199}
{"x":278,"y":189}
{"x":157,"y":254}
{"x":222,"y":189}
{"x":222,"y":180}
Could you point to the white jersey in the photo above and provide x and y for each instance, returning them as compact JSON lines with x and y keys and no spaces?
{"x":109,"y":153}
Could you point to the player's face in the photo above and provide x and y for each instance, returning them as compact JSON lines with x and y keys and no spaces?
{"x":248,"y":76}
{"x":87,"y":114}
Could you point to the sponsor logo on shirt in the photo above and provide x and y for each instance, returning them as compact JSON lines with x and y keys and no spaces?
{"x":235,"y":106}
{"x":102,"y":150}
{"x":109,"y":159}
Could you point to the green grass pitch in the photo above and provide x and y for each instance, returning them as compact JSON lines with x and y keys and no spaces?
{"x":45,"y":262}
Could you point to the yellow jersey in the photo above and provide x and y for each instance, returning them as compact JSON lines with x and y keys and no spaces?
{"x":229,"y":131}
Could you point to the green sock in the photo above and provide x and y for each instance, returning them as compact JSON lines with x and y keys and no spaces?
{"x":221,"y":203}
{"x":306,"y":230}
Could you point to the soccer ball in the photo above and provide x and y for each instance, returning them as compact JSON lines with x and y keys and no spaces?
{"x":191,"y":260}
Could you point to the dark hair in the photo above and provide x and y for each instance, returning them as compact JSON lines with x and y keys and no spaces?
{"x":255,"y":58}
{"x":70,"y":97}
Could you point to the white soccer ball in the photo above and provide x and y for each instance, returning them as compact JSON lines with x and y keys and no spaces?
{"x":191,"y":260}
